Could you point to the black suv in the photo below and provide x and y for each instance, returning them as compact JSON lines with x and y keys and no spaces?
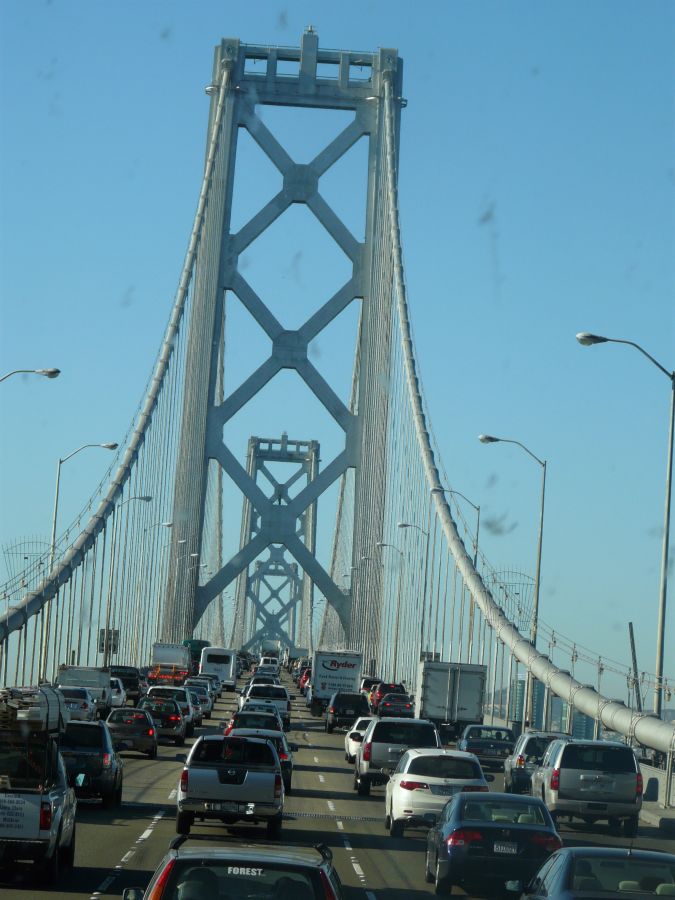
{"x":92,"y":762}
{"x":130,"y":677}
{"x":344,"y":708}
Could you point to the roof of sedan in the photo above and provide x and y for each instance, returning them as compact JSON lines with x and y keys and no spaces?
{"x":440,"y":751}
{"x":306,"y":856}
{"x":620,"y":852}
{"x":256,"y":732}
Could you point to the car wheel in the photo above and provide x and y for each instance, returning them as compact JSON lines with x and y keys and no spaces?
{"x":274,"y":827}
{"x":330,"y":728}
{"x":51,"y":868}
{"x":395,"y":828}
{"x":184,"y":822}
{"x":387,"y":822}
{"x":68,"y":853}
{"x":208,"y":715}
{"x":190,"y":730}
{"x":428,"y":874}
{"x":363,"y":787}
{"x":152,"y":754}
{"x":118,"y":796}
{"x":630,"y":826}
{"x":442,"y":886}
{"x":289,"y":787}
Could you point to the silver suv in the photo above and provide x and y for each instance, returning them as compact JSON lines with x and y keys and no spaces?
{"x":382,"y":745}
{"x":591,"y":780}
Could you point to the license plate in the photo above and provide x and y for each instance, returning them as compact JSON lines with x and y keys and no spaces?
{"x":491,"y":752}
{"x":506,"y":847}
{"x":222,"y":807}
{"x":446,"y":790}
{"x":349,"y":712}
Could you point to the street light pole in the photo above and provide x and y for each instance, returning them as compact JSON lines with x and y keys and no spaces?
{"x":397,"y":618}
{"x":587,"y":339}
{"x":48,"y":373}
{"x":528,"y":699}
{"x":52,"y":544}
{"x":426,"y":570}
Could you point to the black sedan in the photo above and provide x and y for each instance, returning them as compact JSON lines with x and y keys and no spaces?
{"x":133,"y":729}
{"x":92,"y":763}
{"x":490,"y":743}
{"x":488,"y":840}
{"x":577,"y":872}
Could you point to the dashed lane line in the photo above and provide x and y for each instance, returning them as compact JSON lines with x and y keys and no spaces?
{"x":331,"y":805}
{"x":106,"y":883}
{"x":322,"y":779}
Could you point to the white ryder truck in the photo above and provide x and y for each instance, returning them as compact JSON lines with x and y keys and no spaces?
{"x":333,"y":670}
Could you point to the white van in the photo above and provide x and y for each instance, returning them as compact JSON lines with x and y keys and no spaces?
{"x":221,"y":662}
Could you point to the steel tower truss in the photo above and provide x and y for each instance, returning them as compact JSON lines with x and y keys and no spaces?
{"x":235,"y":93}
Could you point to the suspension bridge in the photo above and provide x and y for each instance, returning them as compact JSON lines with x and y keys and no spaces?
{"x":400,"y":575}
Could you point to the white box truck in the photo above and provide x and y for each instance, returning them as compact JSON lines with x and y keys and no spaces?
{"x":333,"y":670}
{"x":222,"y":662}
{"x":96,"y":680}
{"x":164,"y":654}
{"x":450,"y":694}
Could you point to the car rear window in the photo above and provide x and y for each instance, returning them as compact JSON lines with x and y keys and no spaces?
{"x":507,"y":811}
{"x":170,"y":693}
{"x":221,"y":659}
{"x":537,"y":746}
{"x":412,"y":735}
{"x":268,"y":690}
{"x":127,"y":717}
{"x":88,"y":736}
{"x":613,"y":873}
{"x":160,"y":706}
{"x":598,"y":759}
{"x":74,"y":693}
{"x":356,"y":702}
{"x":444,"y":767}
{"x":243,"y":878}
{"x":232,"y":750}
{"x":490,"y":734}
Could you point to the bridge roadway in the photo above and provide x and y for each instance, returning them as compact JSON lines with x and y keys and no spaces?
{"x":118,"y":849}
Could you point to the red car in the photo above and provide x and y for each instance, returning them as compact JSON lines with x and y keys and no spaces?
{"x":384,"y":687}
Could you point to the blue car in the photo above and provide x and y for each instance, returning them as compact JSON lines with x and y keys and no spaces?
{"x":484,"y":840}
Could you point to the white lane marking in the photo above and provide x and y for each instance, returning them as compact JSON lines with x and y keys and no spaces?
{"x":348,"y":846}
{"x":146,"y":834}
{"x":127,"y":856}
{"x":172,"y":795}
{"x":340,"y":825}
{"x":322,"y":779}
{"x":316,"y":759}
{"x":357,"y":868}
{"x":331,"y":805}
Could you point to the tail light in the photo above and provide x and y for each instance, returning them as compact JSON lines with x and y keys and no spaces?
{"x":107,"y":760}
{"x":408,"y":705}
{"x":331,"y":709}
{"x":151,"y":732}
{"x":387,"y":704}
{"x":277,"y":787}
{"x":520,"y":762}
{"x":184,"y":781}
{"x":475,"y":787}
{"x":555,"y":780}
{"x":463,"y":836}
{"x":367,"y":749}
{"x":160,"y":884}
{"x":84,"y":705}
{"x":548,"y":842}
{"x":328,"y":892}
{"x":174,"y":718}
{"x":228,"y":729}
{"x":414,"y":785}
{"x":283,"y":756}
{"x":45,"y":816}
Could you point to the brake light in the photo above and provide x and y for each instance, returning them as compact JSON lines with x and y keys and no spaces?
{"x":283,"y":756}
{"x":367,"y":749}
{"x":638,"y":785}
{"x":464,"y":836}
{"x":277,"y":787}
{"x":387,"y":704}
{"x":229,"y":728}
{"x":84,"y":705}
{"x":107,"y":760}
{"x":549,"y":842}
{"x":555,"y":780}
{"x":45,"y":816}
{"x":331,"y":709}
{"x":151,"y":731}
{"x":408,"y":705}
{"x":475,"y":787}
{"x":160,"y":884}
{"x":184,"y":781}
{"x":414,"y":785}
{"x":174,"y":718}
{"x":328,"y":892}
{"x":520,"y":762}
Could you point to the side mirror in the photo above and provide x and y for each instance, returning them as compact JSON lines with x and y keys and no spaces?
{"x":386,"y":771}
{"x":488,"y":777}
{"x":355,"y":736}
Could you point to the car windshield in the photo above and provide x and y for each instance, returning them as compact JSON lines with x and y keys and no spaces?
{"x":409,"y":735}
{"x":623,"y":874}
{"x":599,"y":759}
{"x":233,"y":751}
{"x":507,"y":811}
{"x":490,"y":734}
{"x":89,"y":737}
{"x":444,"y":767}
{"x":242,"y":878}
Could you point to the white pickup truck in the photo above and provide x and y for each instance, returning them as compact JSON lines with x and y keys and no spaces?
{"x":37,"y":805}
{"x":232,"y":779}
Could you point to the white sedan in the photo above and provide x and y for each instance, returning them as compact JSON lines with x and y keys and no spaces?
{"x":350,"y":744}
{"x":423,"y":782}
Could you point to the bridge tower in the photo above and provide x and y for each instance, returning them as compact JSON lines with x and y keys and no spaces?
{"x":239,"y":90}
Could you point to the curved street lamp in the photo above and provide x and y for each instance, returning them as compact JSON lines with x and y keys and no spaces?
{"x":490,"y":439}
{"x":587,"y":339}
{"x":48,"y":373}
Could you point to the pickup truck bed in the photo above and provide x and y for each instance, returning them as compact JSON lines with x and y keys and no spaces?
{"x":231,"y":779}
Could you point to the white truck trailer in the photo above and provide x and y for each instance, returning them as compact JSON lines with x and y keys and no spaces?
{"x":164,"y":654}
{"x":450,"y":694}
{"x":333,"y":670}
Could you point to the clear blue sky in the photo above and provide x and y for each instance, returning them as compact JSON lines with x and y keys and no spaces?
{"x":537,"y":186}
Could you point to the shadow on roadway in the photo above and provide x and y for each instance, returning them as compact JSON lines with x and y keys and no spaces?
{"x":92,"y":813}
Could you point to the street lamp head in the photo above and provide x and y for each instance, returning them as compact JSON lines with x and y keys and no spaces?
{"x":109,"y":446}
{"x":48,"y":373}
{"x":586,"y":339}
{"x":167,"y":524}
{"x":403,"y":525}
{"x":488,"y":439}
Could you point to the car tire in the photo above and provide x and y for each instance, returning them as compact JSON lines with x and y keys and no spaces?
{"x":428,"y":874}
{"x":442,"y":886}
{"x":189,"y":731}
{"x":152,"y":754}
{"x":118,"y":796}
{"x":363,"y":787}
{"x":274,"y":827}
{"x":289,"y":787}
{"x":355,"y":782}
{"x":184,"y":822}
{"x":631,"y":825}
{"x":50,"y":870}
{"x":68,"y":853}
{"x":387,"y":822}
{"x":330,"y":728}
{"x":395,"y":828}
